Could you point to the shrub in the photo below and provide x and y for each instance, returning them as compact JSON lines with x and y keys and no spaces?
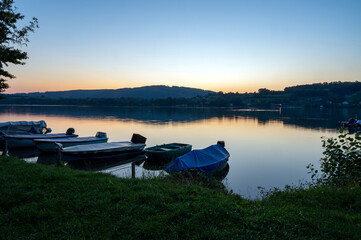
{"x":341,"y":163}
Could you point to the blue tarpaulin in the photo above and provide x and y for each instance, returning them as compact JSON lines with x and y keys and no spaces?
{"x":204,"y":160}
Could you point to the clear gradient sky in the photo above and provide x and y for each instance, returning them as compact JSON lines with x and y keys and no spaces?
{"x":215,"y":45}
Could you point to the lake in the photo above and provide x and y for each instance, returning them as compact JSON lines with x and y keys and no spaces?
{"x":268,"y":148}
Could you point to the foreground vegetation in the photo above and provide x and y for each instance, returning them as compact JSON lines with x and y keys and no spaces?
{"x":56,"y":202}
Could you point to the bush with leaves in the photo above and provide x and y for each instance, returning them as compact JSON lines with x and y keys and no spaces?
{"x":341,"y":163}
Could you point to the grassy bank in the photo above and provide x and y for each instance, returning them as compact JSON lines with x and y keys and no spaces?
{"x":55,"y":202}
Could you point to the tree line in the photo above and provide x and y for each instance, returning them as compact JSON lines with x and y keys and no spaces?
{"x":326,"y":94}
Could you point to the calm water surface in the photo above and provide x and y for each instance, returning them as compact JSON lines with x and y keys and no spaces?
{"x":269,"y":148}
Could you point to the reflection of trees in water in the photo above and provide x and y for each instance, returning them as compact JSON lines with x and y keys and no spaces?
{"x":302,"y":117}
{"x":318,"y":119}
{"x":146,"y":114}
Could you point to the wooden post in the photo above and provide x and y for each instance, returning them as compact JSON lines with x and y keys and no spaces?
{"x":58,"y":147}
{"x":133,"y":169}
{"x":6,"y":153}
{"x":58,"y":160}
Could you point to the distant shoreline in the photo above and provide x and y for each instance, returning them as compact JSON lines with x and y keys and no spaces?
{"x":325,"y":95}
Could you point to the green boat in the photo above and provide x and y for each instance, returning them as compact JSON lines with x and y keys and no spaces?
{"x":167,"y":152}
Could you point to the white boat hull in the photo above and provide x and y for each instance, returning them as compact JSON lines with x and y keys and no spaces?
{"x":27,"y":140}
{"x":49,"y":145}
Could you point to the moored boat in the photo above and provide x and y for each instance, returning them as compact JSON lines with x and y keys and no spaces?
{"x":206,"y":160}
{"x":49,"y":145}
{"x":100,"y":151}
{"x":352,"y":124}
{"x":27,"y":140}
{"x":22,"y":127}
{"x":167,"y":152}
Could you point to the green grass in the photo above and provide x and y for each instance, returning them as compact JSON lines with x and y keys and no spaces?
{"x":56,"y":202}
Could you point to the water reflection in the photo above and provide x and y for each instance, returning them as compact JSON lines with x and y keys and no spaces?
{"x":222,"y":173}
{"x":219,"y":174}
{"x":100,"y":165}
{"x":48,"y":158}
{"x":312,"y":118}
{"x":23,"y":153}
{"x":110,"y":165}
{"x":268,"y":148}
{"x":155,"y":164}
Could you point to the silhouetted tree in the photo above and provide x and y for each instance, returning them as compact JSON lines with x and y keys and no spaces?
{"x":264,"y":91}
{"x":11,"y":35}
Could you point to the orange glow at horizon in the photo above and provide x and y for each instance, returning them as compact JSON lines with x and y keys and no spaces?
{"x":37,"y":83}
{"x":92,"y":86}
{"x":29,"y":79}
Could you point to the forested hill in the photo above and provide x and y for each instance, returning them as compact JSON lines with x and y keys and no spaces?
{"x":334,"y":94}
{"x":330,"y":90}
{"x":146,"y":92}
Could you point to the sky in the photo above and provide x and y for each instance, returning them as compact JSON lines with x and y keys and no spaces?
{"x":229,"y":46}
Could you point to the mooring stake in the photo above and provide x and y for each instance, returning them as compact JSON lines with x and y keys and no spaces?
{"x":133,"y":169}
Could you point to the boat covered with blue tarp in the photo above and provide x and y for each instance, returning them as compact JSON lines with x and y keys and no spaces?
{"x":205,"y":160}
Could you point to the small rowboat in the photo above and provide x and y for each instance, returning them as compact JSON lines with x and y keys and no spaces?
{"x":27,"y":140}
{"x":49,"y":145}
{"x":206,"y":160}
{"x":103,"y":151}
{"x":167,"y":152}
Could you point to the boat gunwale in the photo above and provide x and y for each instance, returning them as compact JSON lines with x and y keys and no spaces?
{"x":39,"y":136}
{"x":131,"y":146}
{"x":64,"y":140}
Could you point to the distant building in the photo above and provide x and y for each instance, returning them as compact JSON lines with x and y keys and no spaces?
{"x":345,"y":103}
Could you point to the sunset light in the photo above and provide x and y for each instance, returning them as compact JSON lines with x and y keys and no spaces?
{"x":221,"y":46}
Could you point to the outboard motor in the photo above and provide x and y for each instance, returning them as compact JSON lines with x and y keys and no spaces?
{"x":222,"y":143}
{"x":137,"y":138}
{"x":70,"y":131}
{"x":352,"y":120}
{"x":101,"y":135}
